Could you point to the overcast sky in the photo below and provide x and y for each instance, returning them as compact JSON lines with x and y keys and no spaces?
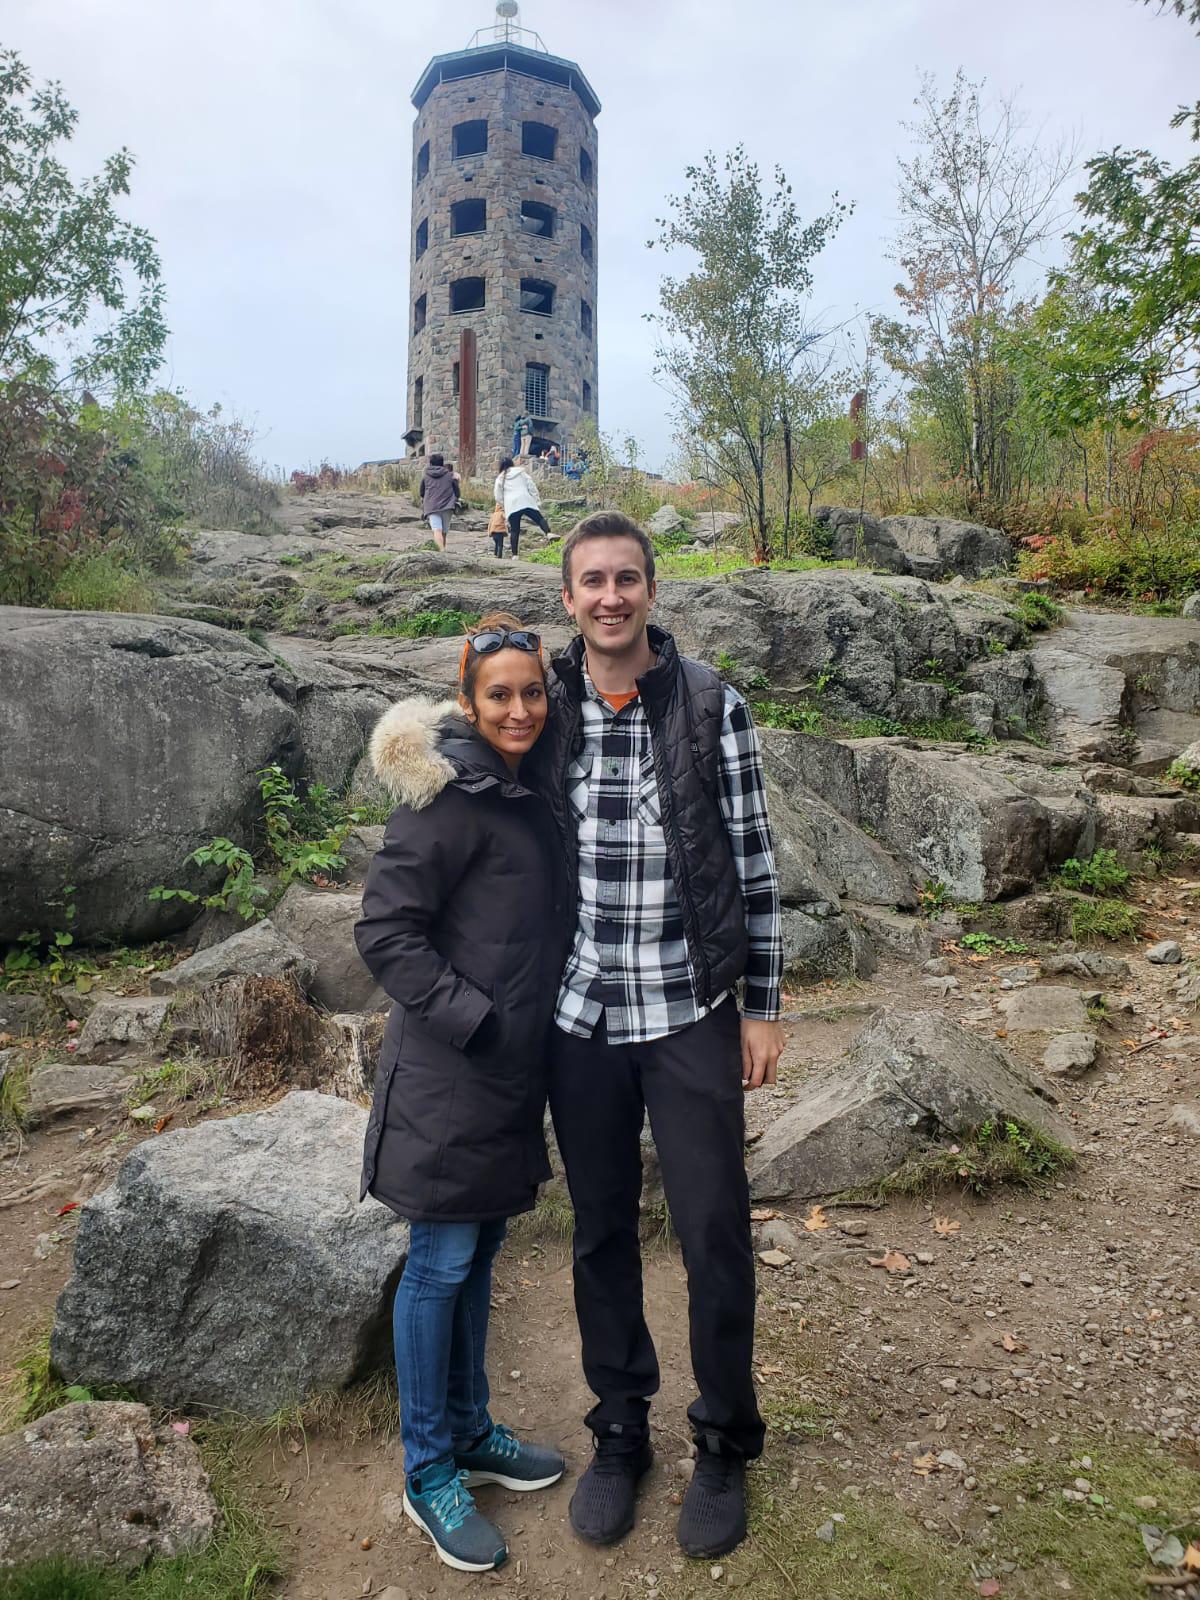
{"x":273,"y":143}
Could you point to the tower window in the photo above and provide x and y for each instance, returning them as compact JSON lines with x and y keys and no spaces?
{"x":455,"y":372}
{"x":468,"y":216}
{"x":537,"y":218}
{"x":586,"y":169}
{"x":421,"y":240}
{"x":467,"y":294}
{"x":537,"y":296}
{"x":538,"y":139}
{"x":418,"y":405}
{"x":469,"y":138}
{"x":420,"y":307}
{"x":585,"y":241}
{"x":587,"y":395}
{"x":423,"y":161}
{"x":537,"y":389}
{"x":585,"y":319}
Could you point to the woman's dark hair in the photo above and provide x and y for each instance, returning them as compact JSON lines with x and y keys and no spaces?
{"x":505,"y":463}
{"x":470,"y":665}
{"x":437,"y":459}
{"x":606,"y":525}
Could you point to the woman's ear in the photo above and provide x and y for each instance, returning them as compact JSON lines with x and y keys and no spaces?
{"x":466,"y":707}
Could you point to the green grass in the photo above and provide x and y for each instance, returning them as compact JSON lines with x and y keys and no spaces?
{"x":1093,"y":920}
{"x":1186,"y":776}
{"x":552,"y":1220}
{"x":102,"y":583}
{"x":14,"y":1093}
{"x":442,"y":624}
{"x":1037,"y":610}
{"x":1001,"y":1153}
{"x":176,"y":1080}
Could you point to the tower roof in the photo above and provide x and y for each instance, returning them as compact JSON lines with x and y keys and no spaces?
{"x":505,"y":56}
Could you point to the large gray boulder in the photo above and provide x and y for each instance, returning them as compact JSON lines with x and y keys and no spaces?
{"x":919,"y":547}
{"x":101,"y":1482}
{"x":127,"y":742}
{"x":261,"y":950}
{"x":337,"y":706}
{"x":230,"y":1265}
{"x":320,"y":922}
{"x":907,"y":1081}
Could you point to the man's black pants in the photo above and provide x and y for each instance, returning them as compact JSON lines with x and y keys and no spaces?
{"x":690,"y":1082}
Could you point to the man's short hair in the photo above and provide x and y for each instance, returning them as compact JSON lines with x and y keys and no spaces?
{"x":436,"y":460}
{"x":606,"y":525}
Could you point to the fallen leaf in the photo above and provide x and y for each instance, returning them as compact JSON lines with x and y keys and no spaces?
{"x":926,"y":1465}
{"x":1130,"y":1044}
{"x":774,"y":1258}
{"x":182,"y":1428}
{"x":71,"y":1205}
{"x":815,"y":1220}
{"x":989,"y":1586}
{"x":1013,"y":1346}
{"x":893,"y":1261}
{"x":295,"y":1446}
{"x":11,"y":1283}
{"x":944,"y":1228}
{"x":763,"y":1214}
{"x":162,"y":1122}
{"x":5,"y":1040}
{"x":1002,"y":1033}
{"x":771,"y":1372}
{"x":1191,"y":1558}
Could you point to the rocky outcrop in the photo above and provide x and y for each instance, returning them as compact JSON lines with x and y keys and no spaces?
{"x":127,"y":742}
{"x":119,"y":1023}
{"x":260,"y":950}
{"x":337,"y":706}
{"x":907,"y":1082}
{"x":230,"y":1265}
{"x":919,"y":547}
{"x":101,"y":1482}
{"x":320,"y":923}
{"x":70,"y":1088}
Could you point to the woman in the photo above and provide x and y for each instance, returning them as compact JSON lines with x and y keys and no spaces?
{"x":516,"y":491}
{"x":463,"y":925}
{"x":439,"y":491}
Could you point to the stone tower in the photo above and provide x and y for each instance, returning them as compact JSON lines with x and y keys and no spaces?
{"x":502,"y":298}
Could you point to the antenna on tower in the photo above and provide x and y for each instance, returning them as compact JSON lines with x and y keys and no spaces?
{"x":507,"y":29}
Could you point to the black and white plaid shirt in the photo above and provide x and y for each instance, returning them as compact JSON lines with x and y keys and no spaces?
{"x":630,"y":959}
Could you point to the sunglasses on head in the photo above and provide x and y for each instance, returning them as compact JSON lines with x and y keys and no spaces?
{"x":493,"y":639}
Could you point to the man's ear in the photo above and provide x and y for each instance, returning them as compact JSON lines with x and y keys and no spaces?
{"x":568,"y":602}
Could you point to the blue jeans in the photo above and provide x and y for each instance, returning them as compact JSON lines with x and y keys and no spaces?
{"x":440,"y":1322}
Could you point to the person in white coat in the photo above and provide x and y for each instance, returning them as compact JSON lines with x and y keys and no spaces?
{"x":516,"y":491}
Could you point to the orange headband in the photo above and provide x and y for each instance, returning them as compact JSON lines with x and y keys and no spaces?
{"x":462,"y":660}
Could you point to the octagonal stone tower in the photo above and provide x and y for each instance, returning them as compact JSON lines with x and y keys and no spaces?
{"x":502,"y":300}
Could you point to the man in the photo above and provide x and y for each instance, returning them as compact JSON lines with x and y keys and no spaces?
{"x":439,"y":490}
{"x":652,"y":769}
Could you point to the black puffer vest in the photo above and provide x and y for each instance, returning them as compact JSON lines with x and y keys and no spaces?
{"x":684,"y":704}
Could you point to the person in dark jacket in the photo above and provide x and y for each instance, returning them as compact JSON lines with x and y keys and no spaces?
{"x":652,"y":768}
{"x":439,"y":490}
{"x":463,"y":926}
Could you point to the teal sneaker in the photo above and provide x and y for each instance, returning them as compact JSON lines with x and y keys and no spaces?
{"x":440,"y":1504}
{"x":500,"y":1457}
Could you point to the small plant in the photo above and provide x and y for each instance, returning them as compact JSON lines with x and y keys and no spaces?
{"x":933,"y":896}
{"x":240,"y":892}
{"x":1100,"y":874}
{"x":1184,"y":774}
{"x":987,"y":944}
{"x":292,"y":822}
{"x":725,"y":664}
{"x":996,"y":646}
{"x":1001,"y":1151}
{"x":1126,"y":745}
{"x":14,"y":1092}
{"x":1103,"y":919}
{"x":1038,"y":610}
{"x":759,"y":682}
{"x":1097,"y":1011}
{"x":784,"y":714}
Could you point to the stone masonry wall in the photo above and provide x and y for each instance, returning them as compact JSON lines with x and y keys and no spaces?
{"x":506,"y":336}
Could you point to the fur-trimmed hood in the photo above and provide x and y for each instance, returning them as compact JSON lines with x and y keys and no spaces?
{"x":421,"y":745}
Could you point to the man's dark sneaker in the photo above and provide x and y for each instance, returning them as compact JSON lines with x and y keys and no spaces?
{"x":713,"y":1519}
{"x":602,"y":1507}
{"x":440,"y":1504}
{"x":500,"y":1457}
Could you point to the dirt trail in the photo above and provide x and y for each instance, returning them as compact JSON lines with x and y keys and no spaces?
{"x":1095,"y":1281}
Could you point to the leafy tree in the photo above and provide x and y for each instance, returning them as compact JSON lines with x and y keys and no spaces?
{"x":1189,"y":9}
{"x":821,"y":430}
{"x":75,"y":278}
{"x":733,"y":330}
{"x":977,"y":200}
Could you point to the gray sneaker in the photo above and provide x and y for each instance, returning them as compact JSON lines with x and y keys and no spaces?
{"x":500,"y":1457}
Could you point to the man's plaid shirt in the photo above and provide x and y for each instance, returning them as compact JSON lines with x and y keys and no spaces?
{"x":630,"y":959}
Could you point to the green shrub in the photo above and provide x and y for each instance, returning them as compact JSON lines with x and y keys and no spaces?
{"x":987,"y":944}
{"x":1186,"y":776}
{"x":102,"y":583}
{"x":1100,"y":874}
{"x":1109,"y":558}
{"x":1038,"y":610}
{"x":442,"y":624}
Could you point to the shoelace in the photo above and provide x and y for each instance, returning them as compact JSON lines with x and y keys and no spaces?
{"x":503,"y":1442}
{"x":452,"y":1503}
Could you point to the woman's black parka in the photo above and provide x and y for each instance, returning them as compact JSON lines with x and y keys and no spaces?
{"x":463,"y":926}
